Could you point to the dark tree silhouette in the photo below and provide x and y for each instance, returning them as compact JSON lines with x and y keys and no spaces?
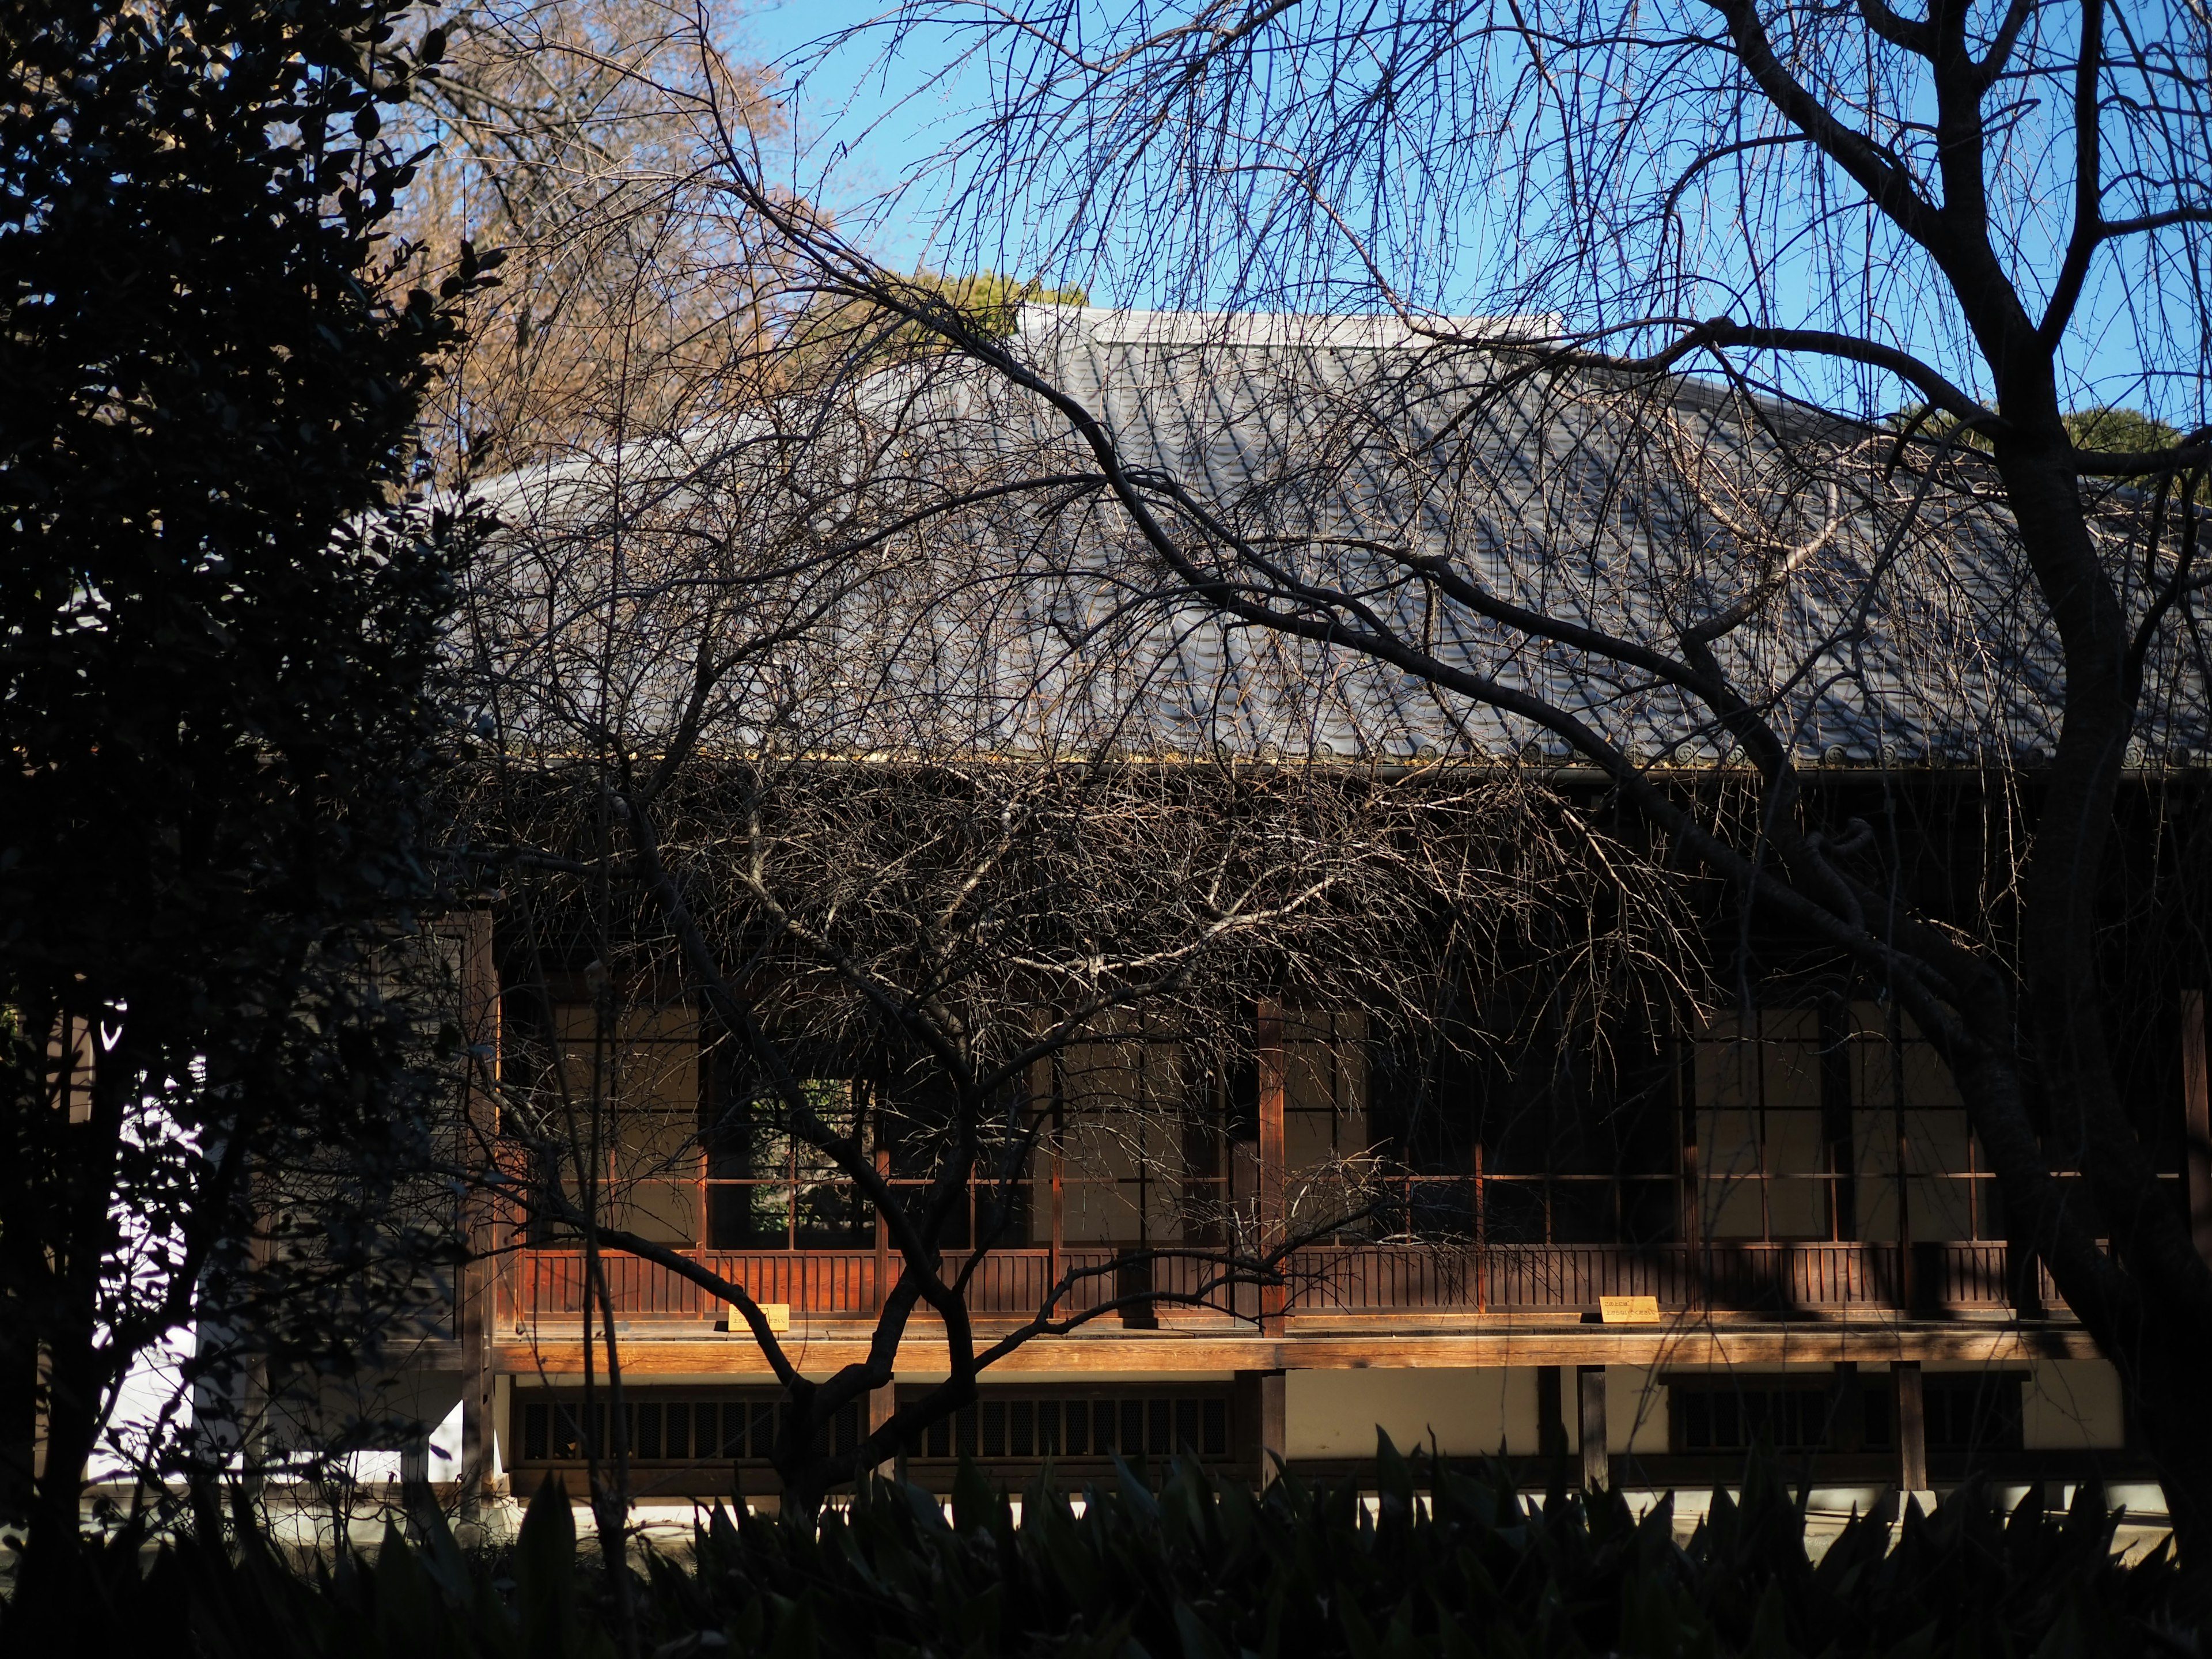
{"x":219,"y":624}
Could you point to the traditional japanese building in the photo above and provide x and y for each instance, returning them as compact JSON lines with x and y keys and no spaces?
{"x":1771,"y":1225}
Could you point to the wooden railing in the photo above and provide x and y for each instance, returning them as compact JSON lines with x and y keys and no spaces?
{"x":549,"y":1283}
{"x":1930,"y":1280}
{"x":1934,"y":1279}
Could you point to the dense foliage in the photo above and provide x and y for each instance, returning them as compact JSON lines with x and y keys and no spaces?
{"x":220,"y":624}
{"x":1449,"y":1561}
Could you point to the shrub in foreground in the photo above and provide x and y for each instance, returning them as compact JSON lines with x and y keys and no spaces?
{"x":1445,"y":1561}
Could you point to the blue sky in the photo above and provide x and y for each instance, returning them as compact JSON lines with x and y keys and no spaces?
{"x":850,"y":126}
{"x":864,"y":124}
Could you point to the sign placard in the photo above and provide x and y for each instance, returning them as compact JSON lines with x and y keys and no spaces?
{"x":778,"y":1315}
{"x":1628,"y":1309}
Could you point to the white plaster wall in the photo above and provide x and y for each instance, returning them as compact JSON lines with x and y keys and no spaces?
{"x":1635,"y":1410}
{"x":2068,"y":1403}
{"x":1335,"y":1413}
{"x":503,"y":1407}
{"x":2072,"y":1404}
{"x":1520,"y":1437}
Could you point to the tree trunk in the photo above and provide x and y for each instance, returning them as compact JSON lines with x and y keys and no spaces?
{"x":19,"y":1394}
{"x":2154,"y":1323}
{"x":800,"y":1465}
{"x":46,"y":1604}
{"x":46,"y":1599}
{"x":2169,"y":1388}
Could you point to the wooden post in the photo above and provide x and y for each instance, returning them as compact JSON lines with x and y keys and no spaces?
{"x":1836,"y":1108}
{"x":883,"y":1235}
{"x":1274,"y":1424}
{"x":1058,"y":1174}
{"x":1551,"y":1418}
{"x":881,"y":1403}
{"x":479,"y":1013}
{"x":1911,"y":1427}
{"x":702,"y":1161}
{"x":2196,"y":1121}
{"x":1597,"y":1468}
{"x":1907,"y":1280}
{"x":1269,"y":1056}
{"x":1481,"y":1234}
{"x":1847,"y":1433}
{"x":1686,"y":1101}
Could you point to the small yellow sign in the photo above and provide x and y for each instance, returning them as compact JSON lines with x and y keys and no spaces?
{"x":778,"y":1315}
{"x":1628,"y":1309}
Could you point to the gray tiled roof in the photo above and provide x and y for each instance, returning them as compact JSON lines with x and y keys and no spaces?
{"x":1631,"y":511}
{"x":1908,"y":627}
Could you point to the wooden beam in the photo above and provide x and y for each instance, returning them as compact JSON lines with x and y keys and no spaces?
{"x":1597,"y":1468}
{"x":1135,"y":1353}
{"x":2196,"y":1119}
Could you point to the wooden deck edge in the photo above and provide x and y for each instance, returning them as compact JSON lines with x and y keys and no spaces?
{"x":1170,"y":1352}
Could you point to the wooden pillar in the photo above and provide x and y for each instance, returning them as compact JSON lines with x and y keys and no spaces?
{"x":1684,"y":1071}
{"x":883,"y":1231}
{"x":881,"y":1404}
{"x":1274,"y":1424}
{"x":1837,"y":1105}
{"x":1059,"y":1134}
{"x":1847,"y":1433}
{"x":1481,"y":1233}
{"x":479,"y":1388}
{"x":2196,"y":1121}
{"x":1908,"y":1286}
{"x":1911,"y":1427}
{"x":1551,"y":1419}
{"x":1270,"y":1068}
{"x":480,"y":1027}
{"x":1597,"y":1470}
